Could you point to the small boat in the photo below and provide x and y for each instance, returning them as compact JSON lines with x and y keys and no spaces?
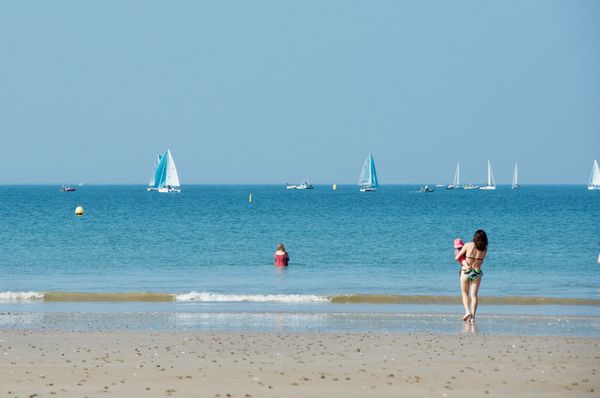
{"x":456,"y":181}
{"x":427,"y":188}
{"x":470,"y":186}
{"x":594,"y":182}
{"x":515,"y":180}
{"x":491,"y":183}
{"x":66,"y":188}
{"x":368,"y":176}
{"x":165,"y":178}
{"x":303,"y":185}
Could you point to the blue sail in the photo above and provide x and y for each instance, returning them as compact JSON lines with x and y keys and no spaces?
{"x":374,"y":180}
{"x":161,"y":172}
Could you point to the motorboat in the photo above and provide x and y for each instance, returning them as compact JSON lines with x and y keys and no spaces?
{"x":303,"y":185}
{"x":66,"y":188}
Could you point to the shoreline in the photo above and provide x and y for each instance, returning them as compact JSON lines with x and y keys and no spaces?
{"x":126,"y":363}
{"x":301,"y":322}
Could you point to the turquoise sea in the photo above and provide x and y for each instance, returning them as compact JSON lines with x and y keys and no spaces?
{"x":207,"y":253}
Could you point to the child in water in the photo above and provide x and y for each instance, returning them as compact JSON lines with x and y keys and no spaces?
{"x":281,"y":256}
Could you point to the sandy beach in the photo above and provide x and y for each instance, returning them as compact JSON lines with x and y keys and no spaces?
{"x":37,"y":363}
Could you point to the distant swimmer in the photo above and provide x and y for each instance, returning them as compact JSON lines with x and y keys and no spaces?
{"x":471,"y":274}
{"x":281,"y":256}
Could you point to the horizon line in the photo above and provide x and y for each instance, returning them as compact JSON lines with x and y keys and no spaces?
{"x":265,"y":184}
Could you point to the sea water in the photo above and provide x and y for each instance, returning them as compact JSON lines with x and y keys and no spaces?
{"x":209,"y":249}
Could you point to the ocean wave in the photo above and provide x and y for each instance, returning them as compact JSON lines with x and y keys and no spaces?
{"x":257,"y":298}
{"x":20,"y":296}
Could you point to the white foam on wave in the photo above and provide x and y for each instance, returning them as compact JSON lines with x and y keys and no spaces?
{"x":20,"y":296}
{"x":257,"y":298}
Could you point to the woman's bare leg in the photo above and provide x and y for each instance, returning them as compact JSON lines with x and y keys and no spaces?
{"x":474,"y":292}
{"x":464,"y":288}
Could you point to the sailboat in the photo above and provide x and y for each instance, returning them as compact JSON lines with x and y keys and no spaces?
{"x":368,"y":176}
{"x":491,"y":183}
{"x":594,"y":183}
{"x":515,"y":181}
{"x":166,"y":178}
{"x":456,"y":181}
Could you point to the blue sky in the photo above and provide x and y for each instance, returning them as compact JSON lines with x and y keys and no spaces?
{"x":272,"y":91}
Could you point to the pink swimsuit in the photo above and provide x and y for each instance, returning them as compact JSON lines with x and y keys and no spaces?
{"x":281,"y":260}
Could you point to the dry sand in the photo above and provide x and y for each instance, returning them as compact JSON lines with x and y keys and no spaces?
{"x":178,"y":364}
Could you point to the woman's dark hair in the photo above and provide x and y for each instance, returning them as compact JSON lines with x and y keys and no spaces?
{"x":480,"y":240}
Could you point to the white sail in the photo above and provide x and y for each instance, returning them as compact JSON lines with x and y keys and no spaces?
{"x":365,"y":173}
{"x":594,"y":183}
{"x":515,"y":181}
{"x":172,"y":179}
{"x":491,"y":181}
{"x":456,"y":181}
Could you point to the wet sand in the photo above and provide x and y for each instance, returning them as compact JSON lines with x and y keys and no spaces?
{"x":36,"y":363}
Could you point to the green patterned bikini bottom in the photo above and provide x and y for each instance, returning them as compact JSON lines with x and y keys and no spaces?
{"x":472,"y":274}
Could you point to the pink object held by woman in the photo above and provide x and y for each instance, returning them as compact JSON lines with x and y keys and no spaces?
{"x":458,"y":244}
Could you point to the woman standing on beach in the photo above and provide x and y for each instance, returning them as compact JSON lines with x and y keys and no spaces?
{"x":471,"y":273}
{"x":281,"y":256}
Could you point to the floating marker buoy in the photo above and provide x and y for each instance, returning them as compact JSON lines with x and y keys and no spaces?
{"x":250,"y":198}
{"x":334,"y":186}
{"x":79,"y":211}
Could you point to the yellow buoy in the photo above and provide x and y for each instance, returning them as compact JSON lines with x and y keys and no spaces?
{"x":334,"y":186}
{"x":79,"y":211}
{"x":250,"y":198}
